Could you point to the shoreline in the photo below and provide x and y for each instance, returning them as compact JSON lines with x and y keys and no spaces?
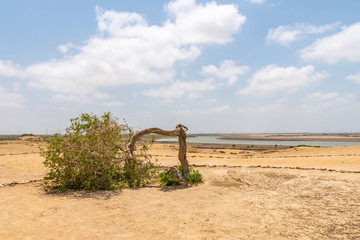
{"x":290,"y":137}
{"x":228,"y":146}
{"x":267,"y":141}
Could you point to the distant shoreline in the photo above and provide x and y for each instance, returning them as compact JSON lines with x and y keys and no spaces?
{"x":280,"y":141}
{"x":228,"y":146}
{"x":293,"y":137}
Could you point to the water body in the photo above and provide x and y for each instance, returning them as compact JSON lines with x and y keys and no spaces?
{"x":214,"y":139}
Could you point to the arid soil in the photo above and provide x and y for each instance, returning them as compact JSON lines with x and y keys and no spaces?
{"x":297,"y":193}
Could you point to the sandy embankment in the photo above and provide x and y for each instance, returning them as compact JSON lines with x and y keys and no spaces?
{"x":233,"y":203}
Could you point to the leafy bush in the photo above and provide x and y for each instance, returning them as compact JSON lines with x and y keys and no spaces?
{"x":139,"y":173}
{"x":88,"y":156}
{"x":194,"y":176}
{"x":166,"y":179}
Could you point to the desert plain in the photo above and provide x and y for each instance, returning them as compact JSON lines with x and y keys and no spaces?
{"x":289,"y":193}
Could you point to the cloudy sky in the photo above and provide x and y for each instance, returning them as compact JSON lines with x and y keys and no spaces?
{"x":214,"y":66}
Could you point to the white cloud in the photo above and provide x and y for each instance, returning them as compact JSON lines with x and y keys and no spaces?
{"x":278,"y":106}
{"x":70,"y":98}
{"x":256,"y":1}
{"x":285,"y":35}
{"x":226,"y":71}
{"x":112,"y":104}
{"x":200,"y":24}
{"x":64,"y":48}
{"x":8,"y":69}
{"x":218,"y":109}
{"x":127,"y":50}
{"x":354,"y":78}
{"x":210,"y":100}
{"x":10,"y":99}
{"x":224,"y":108}
{"x":100,"y":95}
{"x":275,"y":107}
{"x":16,"y":86}
{"x":183,"y":112}
{"x":318,"y":96}
{"x":179,"y":88}
{"x":332,"y":101}
{"x":193,"y":95}
{"x":344,"y":45}
{"x":273,"y":79}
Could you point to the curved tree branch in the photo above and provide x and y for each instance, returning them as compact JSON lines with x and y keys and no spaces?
{"x":179,"y":131}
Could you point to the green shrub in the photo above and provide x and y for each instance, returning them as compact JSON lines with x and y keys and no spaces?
{"x":194,"y":177}
{"x":138,"y":173}
{"x":166,"y":179}
{"x":88,"y":156}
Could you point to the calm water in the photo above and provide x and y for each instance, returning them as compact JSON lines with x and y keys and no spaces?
{"x":213,"y":139}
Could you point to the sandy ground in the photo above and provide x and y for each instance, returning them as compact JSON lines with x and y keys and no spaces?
{"x":297,"y":193}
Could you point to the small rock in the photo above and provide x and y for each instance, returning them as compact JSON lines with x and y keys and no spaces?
{"x":177,"y":176}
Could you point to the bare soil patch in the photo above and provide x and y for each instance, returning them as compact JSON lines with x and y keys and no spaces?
{"x":238,"y":200}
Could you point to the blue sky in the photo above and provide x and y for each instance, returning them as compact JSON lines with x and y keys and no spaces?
{"x":214,"y":66}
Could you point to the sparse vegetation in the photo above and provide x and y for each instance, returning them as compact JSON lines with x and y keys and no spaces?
{"x":8,"y":138}
{"x":303,"y":145}
{"x":166,"y":179}
{"x":93,"y":154}
{"x":193,"y":177}
{"x":27,"y":135}
{"x":90,"y":155}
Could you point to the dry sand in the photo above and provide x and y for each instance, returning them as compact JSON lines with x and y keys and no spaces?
{"x":247,"y":194}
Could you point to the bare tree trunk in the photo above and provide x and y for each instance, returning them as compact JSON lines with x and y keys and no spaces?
{"x":182,"y":151}
{"x":179,"y":131}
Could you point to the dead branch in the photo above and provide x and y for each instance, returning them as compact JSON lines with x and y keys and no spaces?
{"x":179,"y":131}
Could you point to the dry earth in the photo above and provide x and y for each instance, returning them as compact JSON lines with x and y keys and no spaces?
{"x":298,"y":193}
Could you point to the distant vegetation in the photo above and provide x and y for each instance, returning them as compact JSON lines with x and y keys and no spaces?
{"x":8,"y":138}
{"x":303,"y":145}
{"x":27,"y":135}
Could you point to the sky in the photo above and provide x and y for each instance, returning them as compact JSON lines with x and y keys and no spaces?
{"x":225,"y":66}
